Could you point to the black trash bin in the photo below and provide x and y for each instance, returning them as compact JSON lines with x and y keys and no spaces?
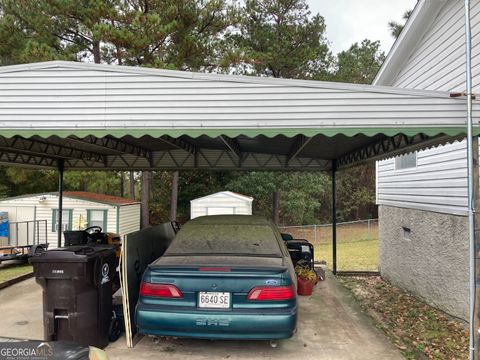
{"x":77,"y":293}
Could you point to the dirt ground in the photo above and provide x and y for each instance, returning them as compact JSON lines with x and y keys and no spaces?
{"x":420,"y":331}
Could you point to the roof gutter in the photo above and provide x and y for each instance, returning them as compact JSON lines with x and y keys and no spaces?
{"x":423,"y":16}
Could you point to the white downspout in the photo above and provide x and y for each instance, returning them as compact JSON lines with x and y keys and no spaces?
{"x":470,"y":182}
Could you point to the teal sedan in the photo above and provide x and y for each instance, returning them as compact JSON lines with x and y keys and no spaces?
{"x":223,"y":277}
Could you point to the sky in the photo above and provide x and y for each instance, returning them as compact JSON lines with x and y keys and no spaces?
{"x":350,"y":21}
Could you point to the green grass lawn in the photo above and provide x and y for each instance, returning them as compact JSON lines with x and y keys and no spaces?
{"x":357,"y":244}
{"x":12,"y":271}
{"x":356,"y":255}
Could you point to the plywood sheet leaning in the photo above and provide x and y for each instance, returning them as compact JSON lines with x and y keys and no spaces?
{"x":124,"y":286}
{"x":139,"y":249}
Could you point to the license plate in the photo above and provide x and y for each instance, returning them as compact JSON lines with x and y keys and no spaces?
{"x":217,"y":300}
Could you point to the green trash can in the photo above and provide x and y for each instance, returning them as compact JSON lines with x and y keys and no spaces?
{"x":77,"y":293}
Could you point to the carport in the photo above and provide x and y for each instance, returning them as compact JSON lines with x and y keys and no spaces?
{"x":64,"y":115}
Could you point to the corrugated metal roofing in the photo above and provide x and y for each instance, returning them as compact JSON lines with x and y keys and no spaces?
{"x":105,"y":116}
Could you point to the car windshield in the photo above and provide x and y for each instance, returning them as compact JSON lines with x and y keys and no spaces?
{"x":231,"y":239}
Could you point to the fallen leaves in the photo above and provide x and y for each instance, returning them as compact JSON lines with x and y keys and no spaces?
{"x":418,"y":330}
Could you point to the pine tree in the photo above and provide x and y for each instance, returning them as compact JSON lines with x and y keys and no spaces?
{"x":281,"y":38}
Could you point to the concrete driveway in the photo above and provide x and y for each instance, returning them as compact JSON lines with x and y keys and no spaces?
{"x":331,"y":326}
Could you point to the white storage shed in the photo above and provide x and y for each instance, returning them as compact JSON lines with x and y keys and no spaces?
{"x":80,"y":209}
{"x":224,"y":202}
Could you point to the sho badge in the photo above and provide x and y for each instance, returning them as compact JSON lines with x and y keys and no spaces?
{"x":212,"y":322}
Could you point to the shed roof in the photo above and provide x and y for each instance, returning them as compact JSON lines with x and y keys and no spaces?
{"x":83,"y":195}
{"x":228,"y":193}
{"x":100,"y":198}
{"x":114,"y":117}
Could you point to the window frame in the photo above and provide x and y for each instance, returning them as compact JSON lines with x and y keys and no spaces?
{"x":55,"y":219}
{"x":397,"y":169}
{"x":105,"y":218}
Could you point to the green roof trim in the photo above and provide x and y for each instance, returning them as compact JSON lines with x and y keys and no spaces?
{"x":271,"y":132}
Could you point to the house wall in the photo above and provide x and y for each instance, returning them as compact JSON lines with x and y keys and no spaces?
{"x":129,"y":216}
{"x":44,"y":212}
{"x":217,"y":202}
{"x":438,"y":61}
{"x":433,"y":262}
{"x":431,"y":199}
{"x":438,"y":183}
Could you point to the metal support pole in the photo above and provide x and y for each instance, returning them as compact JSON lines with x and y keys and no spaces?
{"x":34,"y":224}
{"x":473,"y":318}
{"x":334,"y":215}
{"x":369,"y":233}
{"x":61,"y":167}
{"x":476,"y":202}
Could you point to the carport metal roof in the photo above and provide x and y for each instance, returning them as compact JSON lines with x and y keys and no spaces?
{"x":113,"y":117}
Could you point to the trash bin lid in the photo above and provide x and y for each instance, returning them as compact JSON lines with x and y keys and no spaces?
{"x":78,"y":253}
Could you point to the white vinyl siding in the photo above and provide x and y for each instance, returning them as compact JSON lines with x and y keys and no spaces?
{"x":79,"y":210}
{"x":130,"y":219}
{"x":91,"y":96}
{"x":438,"y":182}
{"x":438,"y":61}
{"x":221,"y":203}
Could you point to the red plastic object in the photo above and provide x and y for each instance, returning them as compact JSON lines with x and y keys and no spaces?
{"x":305,"y":287}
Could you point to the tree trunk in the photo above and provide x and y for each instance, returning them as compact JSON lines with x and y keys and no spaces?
{"x":174,"y":197}
{"x":132,"y":185}
{"x":146,"y":179}
{"x":151,"y":184}
{"x":96,"y":52}
{"x":275,"y":207}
